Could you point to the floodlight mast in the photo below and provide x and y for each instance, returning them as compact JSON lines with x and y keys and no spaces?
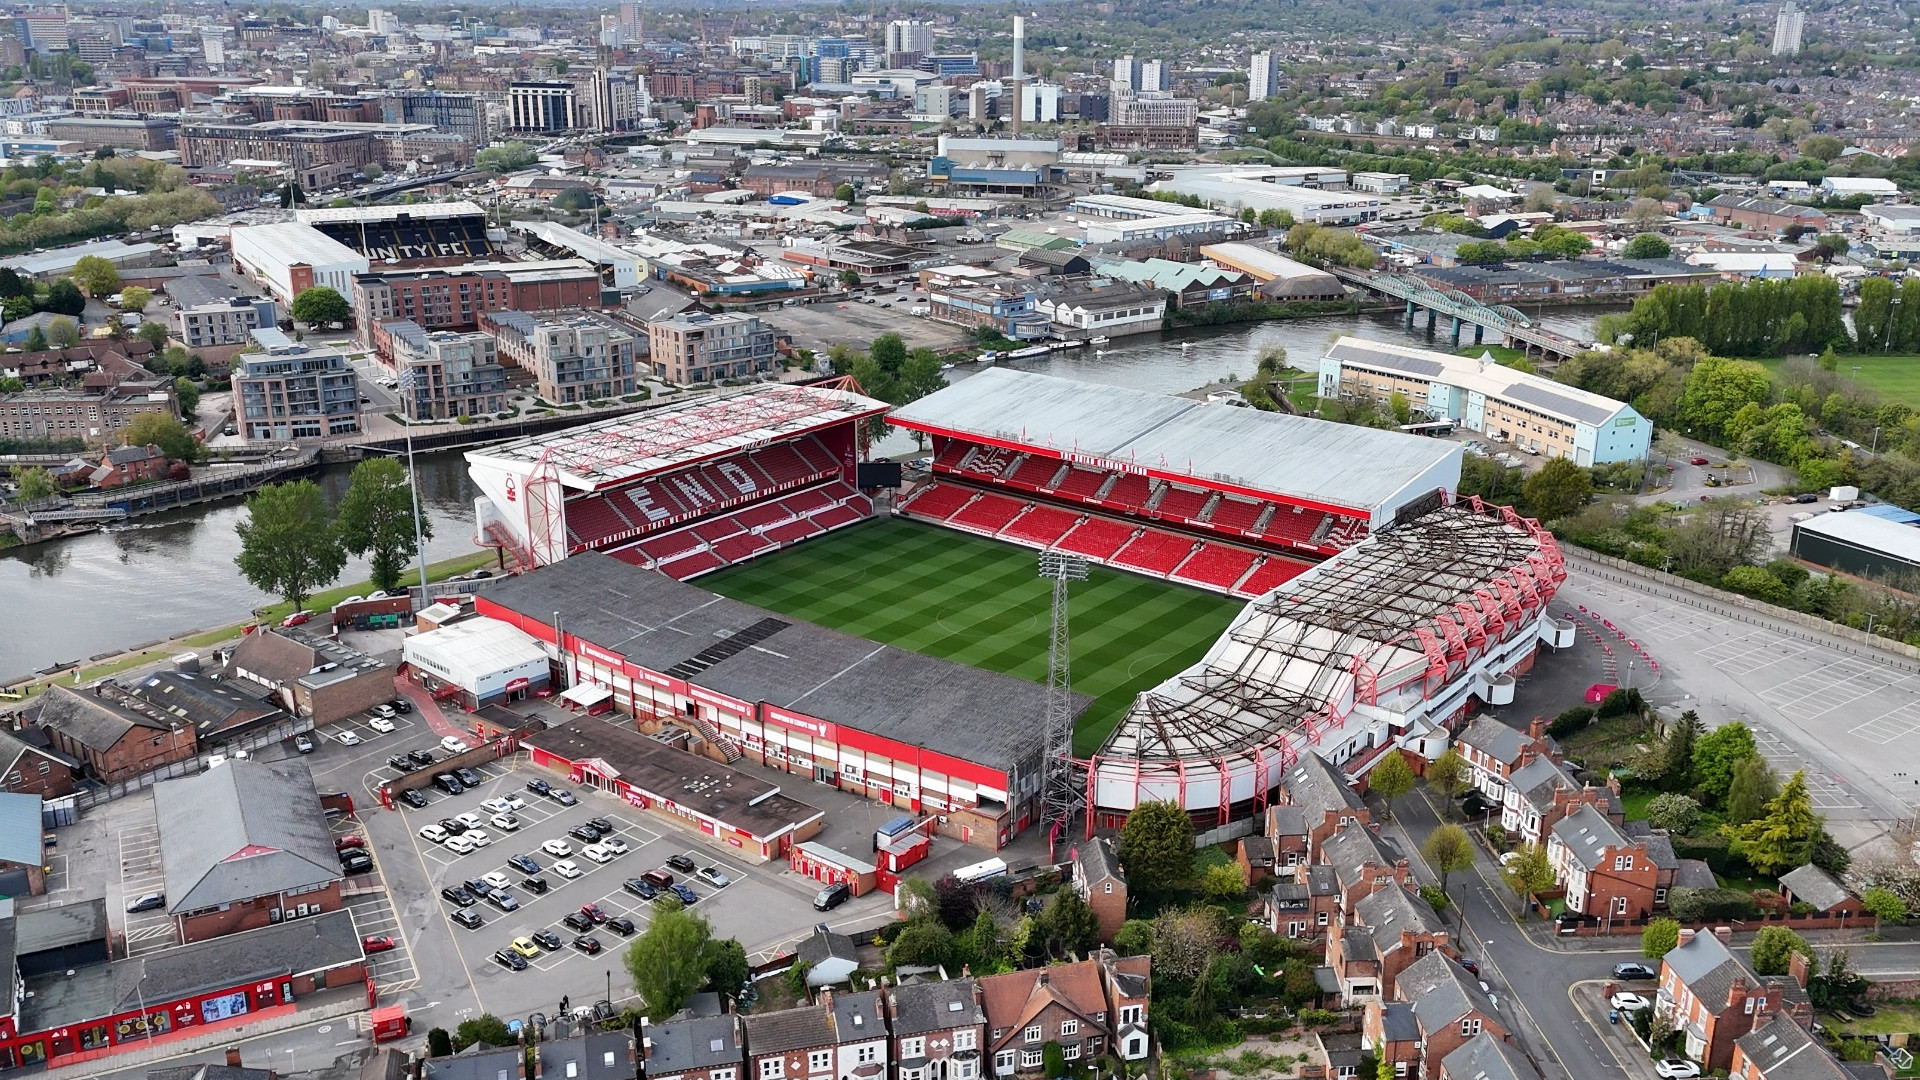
{"x":1060,"y":796}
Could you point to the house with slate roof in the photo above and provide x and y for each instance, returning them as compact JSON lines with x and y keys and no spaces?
{"x":1098,"y":880}
{"x":938,"y":1030}
{"x":1607,"y":874}
{"x":694,"y":1048}
{"x":1494,"y":750}
{"x":1484,"y":1057}
{"x":1712,"y":999}
{"x":113,"y":739}
{"x":1449,"y":1007}
{"x":1390,"y":929}
{"x":1392,"y":1033}
{"x":1783,"y":1050}
{"x":1325,"y":798}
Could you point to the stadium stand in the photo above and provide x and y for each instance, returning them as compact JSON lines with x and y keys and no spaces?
{"x":1181,"y":503}
{"x":1096,"y":538}
{"x":1042,"y":525}
{"x":1269,"y":575}
{"x":1236,"y":515}
{"x":1034,"y":473}
{"x":1217,"y":565}
{"x":594,"y":521}
{"x":725,"y":539}
{"x":1292,"y":526}
{"x":1155,"y":552}
{"x":1129,"y":492}
{"x":988,"y":513}
{"x":1082,"y":483}
{"x":937,"y":501}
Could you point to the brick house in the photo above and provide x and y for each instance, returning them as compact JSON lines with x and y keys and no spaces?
{"x":244,"y":845}
{"x":793,"y":1044}
{"x":938,"y":1030}
{"x":1493,"y":750}
{"x":310,"y":675}
{"x":1092,"y":1007}
{"x":1782,"y":1050}
{"x":1391,"y":1031}
{"x":1390,"y":929}
{"x":1326,"y":800}
{"x":1361,"y":864}
{"x":1484,"y":1057}
{"x":1098,"y":880}
{"x":1819,"y":890}
{"x":1288,"y":835}
{"x":1305,"y":902}
{"x":1449,"y":1007}
{"x":860,"y":1034}
{"x":130,"y":465}
{"x":28,"y":769}
{"x":1541,"y":791}
{"x":1712,"y":999}
{"x":111,"y":739}
{"x":694,"y":1048}
{"x":1606,"y":874}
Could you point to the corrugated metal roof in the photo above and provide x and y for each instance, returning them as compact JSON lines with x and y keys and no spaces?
{"x":1562,"y":404}
{"x":1877,"y":534}
{"x":1337,"y":464}
{"x":1361,"y":352}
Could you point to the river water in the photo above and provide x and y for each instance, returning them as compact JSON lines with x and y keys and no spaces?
{"x":165,"y":575}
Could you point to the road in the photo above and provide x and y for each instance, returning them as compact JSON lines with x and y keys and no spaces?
{"x":1689,"y":480}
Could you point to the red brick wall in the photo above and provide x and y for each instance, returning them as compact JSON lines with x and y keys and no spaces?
{"x":251,"y":915}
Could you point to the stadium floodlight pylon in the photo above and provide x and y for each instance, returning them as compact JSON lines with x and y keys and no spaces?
{"x":1060,"y":797}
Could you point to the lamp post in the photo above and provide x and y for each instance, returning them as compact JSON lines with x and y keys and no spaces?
{"x":1892,"y":307}
{"x":413,"y":483}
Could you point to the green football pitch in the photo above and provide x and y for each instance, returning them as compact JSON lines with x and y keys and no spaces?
{"x":973,"y":601}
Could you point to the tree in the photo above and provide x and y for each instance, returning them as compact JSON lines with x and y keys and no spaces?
{"x":1647,"y":246}
{"x":188,"y":394}
{"x":135,"y":298}
{"x":153,"y":332}
{"x":1661,"y":937}
{"x":376,"y":519}
{"x":1068,"y":925}
{"x":1224,"y":883}
{"x":1450,"y":775}
{"x":96,"y":275}
{"x":1781,"y":838}
{"x":320,"y":305}
{"x":727,"y":968}
{"x":850,"y":279}
{"x":372,"y":170}
{"x":1645,"y":214}
{"x":1053,"y":1060}
{"x":1529,"y":871}
{"x":1716,"y":753}
{"x":1156,"y":847}
{"x":15,"y":307}
{"x":671,"y":960}
{"x":1559,"y":490}
{"x":506,"y":157}
{"x":62,"y":332}
{"x":1390,"y":779}
{"x":485,"y":1028}
{"x":34,"y":483}
{"x":165,"y":432}
{"x":36,"y":340}
{"x":288,"y":546}
{"x":1883,"y":904}
{"x":64,"y":298}
{"x":1821,"y":147}
{"x":1754,"y":784}
{"x":1773,"y":948}
{"x":10,"y":283}
{"x":1679,"y":746}
{"x":1673,"y":812}
{"x":1448,"y":850}
{"x":844,"y":193}
{"x":1183,"y":942}
{"x":439,"y":1043}
{"x":921,"y":943}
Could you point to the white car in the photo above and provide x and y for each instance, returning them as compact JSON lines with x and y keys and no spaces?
{"x":470,"y":819}
{"x":597,"y":853}
{"x":383,"y":711}
{"x":1627,"y":1002}
{"x":453,"y":744}
{"x":505,"y":822}
{"x":347,"y":738}
{"x":503,"y":804}
{"x":566,"y":869}
{"x":460,"y":845}
{"x":496,"y":879}
{"x":477,"y":837}
{"x":1676,"y":1069}
{"x":514,"y":802}
{"x":433,"y":834}
{"x":615,"y":845}
{"x":381,"y":724}
{"x":557,"y":848}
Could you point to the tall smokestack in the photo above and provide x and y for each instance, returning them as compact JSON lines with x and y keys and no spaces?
{"x":1019,"y":70}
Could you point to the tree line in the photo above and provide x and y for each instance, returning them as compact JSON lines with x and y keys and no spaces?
{"x":292,"y":543}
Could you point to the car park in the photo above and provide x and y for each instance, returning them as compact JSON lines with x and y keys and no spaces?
{"x":456,"y":895}
{"x":454,"y":744}
{"x":535,"y":885}
{"x":152,"y":901}
{"x":376,"y":943}
{"x":401,"y":764}
{"x":422,"y":758}
{"x":468,"y":918}
{"x":525,"y":947}
{"x":347,"y":738}
{"x":557,"y":848}
{"x":415,"y":798}
{"x":495,"y":879}
{"x":682,"y":863}
{"x":622,"y":926}
{"x":303,"y":743}
{"x":574,"y":920}
{"x":687,"y":896}
{"x":589,"y":945}
{"x":381,"y":724}
{"x":713,"y":876}
{"x":584,"y":833}
{"x":832,"y":896}
{"x":642,"y":889}
{"x":504,"y":822}
{"x":1676,"y":1069}
{"x":1627,"y":1002}
{"x":434,"y":834}
{"x":503,"y":900}
{"x":355,"y":861}
{"x":566,"y":869}
{"x":593,"y":912}
{"x":548,"y":940}
{"x":510,"y":960}
{"x":526,"y":864}
{"x":1634,"y":971}
{"x":597,"y":853}
{"x":459,"y":845}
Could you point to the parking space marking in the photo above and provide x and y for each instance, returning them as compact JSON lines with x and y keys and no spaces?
{"x":1890,"y":726}
{"x":1826,"y":792}
{"x":141,"y":873}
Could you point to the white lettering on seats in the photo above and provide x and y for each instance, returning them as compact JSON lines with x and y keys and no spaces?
{"x":690,"y":486}
{"x":642,"y":499}
{"x":740,"y":477}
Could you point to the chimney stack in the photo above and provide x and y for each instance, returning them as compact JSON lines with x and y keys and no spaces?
{"x":1724,"y":933}
{"x":1537,"y":727}
{"x":1019,"y":70}
{"x":233,"y":1057}
{"x":1686,"y":935}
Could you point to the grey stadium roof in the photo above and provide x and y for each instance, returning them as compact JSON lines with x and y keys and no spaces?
{"x":657,"y":622}
{"x":1338,"y":464}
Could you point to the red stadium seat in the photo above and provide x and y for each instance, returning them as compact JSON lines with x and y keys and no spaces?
{"x":987,"y":514}
{"x":593,"y":521}
{"x":735,"y":548}
{"x":783,"y":464}
{"x":792,"y":531}
{"x":807,"y":501}
{"x":937,"y":501}
{"x":949,"y":457}
{"x":1217,"y":566}
{"x":689,"y":565}
{"x":1182,"y":504}
{"x":1235,"y":515}
{"x":672,"y":545}
{"x":719,"y":528}
{"x":1131,"y":491}
{"x":1269,"y":574}
{"x":1082,"y":483}
{"x":1154,"y":552}
{"x":1096,"y":537}
{"x":1287,"y":527}
{"x":1043,"y":525}
{"x":760,"y":515}
{"x":836,"y":516}
{"x":1034,"y":473}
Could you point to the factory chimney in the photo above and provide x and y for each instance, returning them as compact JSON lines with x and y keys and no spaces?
{"x":1019,"y":70}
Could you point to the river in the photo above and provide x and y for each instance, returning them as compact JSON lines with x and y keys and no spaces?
{"x":165,"y":575}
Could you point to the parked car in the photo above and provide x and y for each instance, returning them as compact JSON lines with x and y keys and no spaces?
{"x":446,"y":782}
{"x":614,"y":844}
{"x":355,"y":861}
{"x":349,"y":840}
{"x":585,"y":833}
{"x":415,"y":798}
{"x":469,"y":820}
{"x":547,"y":940}
{"x":1676,"y":1069}
{"x":557,"y":848}
{"x":303,"y":743}
{"x":381,"y":724}
{"x":401,"y":764}
{"x":682,"y":863}
{"x":1628,"y":1002}
{"x":1697,"y":461}
{"x":539,"y":786}
{"x":469,"y":777}
{"x":454,"y":744}
{"x":593,"y":912}
{"x":597,"y":853}
{"x":714,"y":876}
{"x":459,"y":845}
{"x":452,"y":826}
{"x":468,"y":918}
{"x":422,"y":758}
{"x":526,"y":864}
{"x":563,"y":797}
{"x":434,"y":834}
{"x":643,"y":890}
{"x":1632,"y":970}
{"x":479,"y":837}
{"x":588,"y":945}
{"x":504,"y":804}
{"x":347,"y":738}
{"x":1807,"y":497}
{"x":510,"y":960}
{"x":576,"y":921}
{"x":401,"y":705}
{"x":298,"y":618}
{"x":601,"y":825}
{"x":566,"y":869}
{"x":456,"y":895}
{"x":535,"y":885}
{"x":687,"y":896}
{"x":503,"y":900}
{"x":622,"y":926}
{"x":658,"y":878}
{"x":525,"y":947}
{"x":495,"y":879}
{"x":1470,"y":966}
{"x":832,"y":896}
{"x":476,"y":886}
{"x":376,"y":943}
{"x":152,"y":901}
{"x":383,"y":712}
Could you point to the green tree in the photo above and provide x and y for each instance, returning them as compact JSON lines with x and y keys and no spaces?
{"x":14,"y":308}
{"x":1675,"y":813}
{"x":1717,"y":753}
{"x":727,"y":968}
{"x":1560,"y":489}
{"x":850,"y":279}
{"x":1716,"y":389}
{"x":33,"y":483}
{"x":1773,"y":948}
{"x":1156,"y":848}
{"x":10,"y":283}
{"x":1821,"y":147}
{"x":439,"y":1043}
{"x":153,"y":332}
{"x":984,"y":940}
{"x":1647,"y":246}
{"x":96,"y":275}
{"x":1134,"y":937}
{"x":1883,"y":904}
{"x":65,"y":298}
{"x":506,"y":157}
{"x":36,"y":340}
{"x":1068,"y":924}
{"x":844,"y":193}
{"x":671,"y":960}
{"x":165,"y":432}
{"x":1448,"y":850}
{"x":1661,"y":937}
{"x":1781,"y":838}
{"x":288,"y":546}
{"x":376,"y":520}
{"x":1224,"y":883}
{"x":922,"y":942}
{"x":320,"y":305}
{"x":1529,"y":871}
{"x":135,"y":298}
{"x":1679,"y":746}
{"x":1754,"y":785}
{"x":62,"y":332}
{"x":1450,"y":775}
{"x":187,"y":392}
{"x":1053,"y":1060}
{"x":1390,"y":779}
{"x":485,"y":1028}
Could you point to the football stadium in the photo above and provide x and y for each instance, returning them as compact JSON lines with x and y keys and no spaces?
{"x":1263,"y":586}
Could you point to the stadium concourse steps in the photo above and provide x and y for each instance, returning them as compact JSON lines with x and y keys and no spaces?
{"x":605,"y":518}
{"x":729,"y":538}
{"x":1126,"y":545}
{"x":1134,"y":495}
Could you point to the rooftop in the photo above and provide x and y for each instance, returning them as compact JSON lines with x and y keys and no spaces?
{"x":1543,"y":395}
{"x":1869,"y":532}
{"x":240,"y":830}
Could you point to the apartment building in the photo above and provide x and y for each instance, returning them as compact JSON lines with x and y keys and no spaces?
{"x":453,"y":297}
{"x":694,"y":347}
{"x":96,"y":412}
{"x":222,"y":322}
{"x":291,"y":390}
{"x":571,"y":357}
{"x":444,"y":374}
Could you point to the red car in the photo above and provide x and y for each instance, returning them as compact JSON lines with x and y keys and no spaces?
{"x":346,"y":842}
{"x":1699,"y":461}
{"x":297,"y":618}
{"x":592,"y":911}
{"x":376,"y":943}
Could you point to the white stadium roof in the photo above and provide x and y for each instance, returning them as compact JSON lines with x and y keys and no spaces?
{"x":623,"y":448}
{"x":1316,"y":461}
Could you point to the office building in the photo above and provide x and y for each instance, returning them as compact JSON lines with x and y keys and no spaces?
{"x":294,"y":391}
{"x":445,"y":375}
{"x":42,"y":31}
{"x":1787,"y":28}
{"x":543,"y":106}
{"x":1264,"y":75}
{"x":1040,"y":103}
{"x":453,"y":297}
{"x":694,"y":347}
{"x":96,"y":413}
{"x":908,"y":36}
{"x":383,"y":23}
{"x":572,"y":357}
{"x":213,"y":43}
{"x":461,"y":114}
